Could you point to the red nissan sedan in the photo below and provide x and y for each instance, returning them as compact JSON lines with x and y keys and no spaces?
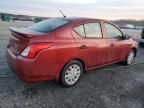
{"x":64,"y":48}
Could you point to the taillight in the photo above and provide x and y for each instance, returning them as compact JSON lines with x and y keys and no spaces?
{"x":31,"y":50}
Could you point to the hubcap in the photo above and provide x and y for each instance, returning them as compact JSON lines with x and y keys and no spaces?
{"x":130,"y":57}
{"x":72,"y":74}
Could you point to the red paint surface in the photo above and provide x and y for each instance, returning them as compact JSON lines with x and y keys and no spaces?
{"x":66,"y":43}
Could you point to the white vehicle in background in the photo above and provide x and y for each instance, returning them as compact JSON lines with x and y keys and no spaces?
{"x":130,"y":26}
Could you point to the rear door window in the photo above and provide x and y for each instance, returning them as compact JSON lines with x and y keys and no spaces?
{"x":89,"y":30}
{"x":48,"y":25}
{"x":93,"y":30}
{"x":80,"y":30}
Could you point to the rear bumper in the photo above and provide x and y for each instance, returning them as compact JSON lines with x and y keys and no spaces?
{"x":28,"y":70}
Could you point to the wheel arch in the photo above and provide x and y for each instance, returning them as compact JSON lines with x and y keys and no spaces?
{"x":78,"y":59}
{"x":82,"y":62}
{"x":135,"y":50}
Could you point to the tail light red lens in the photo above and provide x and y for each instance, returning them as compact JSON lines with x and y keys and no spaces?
{"x":33,"y":49}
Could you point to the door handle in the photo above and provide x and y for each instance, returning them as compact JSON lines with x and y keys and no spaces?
{"x":83,"y":47}
{"x":112,"y":45}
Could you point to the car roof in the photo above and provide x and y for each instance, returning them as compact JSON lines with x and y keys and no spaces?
{"x":81,"y":19}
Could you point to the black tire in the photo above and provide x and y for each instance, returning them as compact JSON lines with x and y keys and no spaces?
{"x":66,"y":67}
{"x":126,"y":61}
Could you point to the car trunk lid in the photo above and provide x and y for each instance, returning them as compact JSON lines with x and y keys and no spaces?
{"x":20,"y":38}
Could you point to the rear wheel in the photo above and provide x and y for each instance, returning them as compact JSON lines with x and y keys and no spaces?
{"x":71,"y":73}
{"x":130,"y":57}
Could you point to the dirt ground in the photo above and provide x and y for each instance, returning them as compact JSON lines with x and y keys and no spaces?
{"x":113,"y":86}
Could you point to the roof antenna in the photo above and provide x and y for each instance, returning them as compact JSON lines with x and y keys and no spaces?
{"x":62,"y":13}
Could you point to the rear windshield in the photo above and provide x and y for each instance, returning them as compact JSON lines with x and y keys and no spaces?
{"x":48,"y":25}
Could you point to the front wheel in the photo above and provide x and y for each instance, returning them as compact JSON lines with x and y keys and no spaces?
{"x":71,"y":73}
{"x":130,"y":57}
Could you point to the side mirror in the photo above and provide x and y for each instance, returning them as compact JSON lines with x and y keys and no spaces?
{"x":126,"y":36}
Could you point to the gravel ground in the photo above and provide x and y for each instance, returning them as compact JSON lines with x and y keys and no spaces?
{"x":113,"y":86}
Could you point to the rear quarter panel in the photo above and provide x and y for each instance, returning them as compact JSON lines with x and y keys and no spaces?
{"x":66,"y":49}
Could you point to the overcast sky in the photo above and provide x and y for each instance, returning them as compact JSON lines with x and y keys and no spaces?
{"x":104,"y":9}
